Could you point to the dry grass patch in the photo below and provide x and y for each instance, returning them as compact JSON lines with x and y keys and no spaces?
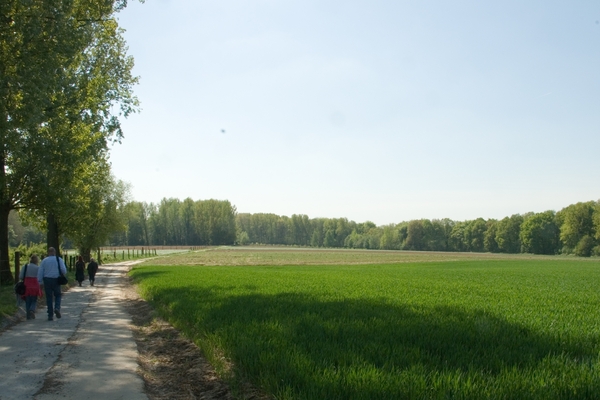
{"x":248,"y":256}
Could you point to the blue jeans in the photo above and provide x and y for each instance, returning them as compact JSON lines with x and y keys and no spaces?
{"x":53,"y":295}
{"x":30,"y":303}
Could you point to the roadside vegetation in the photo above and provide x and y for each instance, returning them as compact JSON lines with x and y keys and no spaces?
{"x":412,"y":326}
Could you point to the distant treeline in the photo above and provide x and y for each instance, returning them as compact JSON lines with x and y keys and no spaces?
{"x":175,"y":222}
{"x":573,"y":230}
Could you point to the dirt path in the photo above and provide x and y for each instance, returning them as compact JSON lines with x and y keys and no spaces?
{"x":88,"y":353}
{"x":109,"y":345}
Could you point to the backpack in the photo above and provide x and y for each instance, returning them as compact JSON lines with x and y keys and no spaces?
{"x":20,"y":286}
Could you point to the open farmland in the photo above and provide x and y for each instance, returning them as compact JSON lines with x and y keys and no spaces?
{"x":263,"y":255}
{"x":305,"y":324}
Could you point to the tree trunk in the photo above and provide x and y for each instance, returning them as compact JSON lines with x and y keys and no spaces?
{"x":86,"y":254}
{"x":6,"y":275}
{"x":6,"y":205}
{"x":52,"y":234}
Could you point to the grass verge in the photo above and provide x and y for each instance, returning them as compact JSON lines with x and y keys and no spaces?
{"x":491,"y":328}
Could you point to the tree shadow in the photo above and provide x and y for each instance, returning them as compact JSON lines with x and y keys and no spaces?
{"x":310,"y":348}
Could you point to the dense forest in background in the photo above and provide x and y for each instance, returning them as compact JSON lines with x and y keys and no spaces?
{"x":573,"y":230}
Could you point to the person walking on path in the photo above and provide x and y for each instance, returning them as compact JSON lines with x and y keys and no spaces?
{"x":29,"y":275}
{"x":79,"y":270}
{"x":91,"y":355}
{"x":48,"y":273}
{"x":92,"y":269}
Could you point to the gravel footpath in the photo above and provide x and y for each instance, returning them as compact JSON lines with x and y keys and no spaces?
{"x":89,"y":353}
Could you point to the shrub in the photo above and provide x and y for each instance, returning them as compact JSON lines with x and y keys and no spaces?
{"x":585,"y":246}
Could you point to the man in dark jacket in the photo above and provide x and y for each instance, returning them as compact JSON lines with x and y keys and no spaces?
{"x":92,"y":268}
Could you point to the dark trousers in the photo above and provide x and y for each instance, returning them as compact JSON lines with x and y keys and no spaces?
{"x":30,"y":303}
{"x":53,"y":295}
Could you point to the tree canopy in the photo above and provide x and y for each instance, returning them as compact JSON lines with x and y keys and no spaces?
{"x":65,"y":80}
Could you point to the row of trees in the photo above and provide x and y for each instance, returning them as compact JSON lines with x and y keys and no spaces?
{"x":573,"y":230}
{"x":175,"y":222}
{"x":65,"y":81}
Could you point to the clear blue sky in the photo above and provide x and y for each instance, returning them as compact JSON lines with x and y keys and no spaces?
{"x":372,"y":110}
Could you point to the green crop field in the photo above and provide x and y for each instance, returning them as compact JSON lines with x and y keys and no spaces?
{"x":394,"y":325}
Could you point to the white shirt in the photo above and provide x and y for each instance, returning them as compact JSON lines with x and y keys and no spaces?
{"x":49,"y":269}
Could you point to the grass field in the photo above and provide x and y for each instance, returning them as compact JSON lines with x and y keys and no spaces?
{"x":404,"y":326}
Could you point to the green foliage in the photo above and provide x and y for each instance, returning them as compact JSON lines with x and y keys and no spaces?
{"x":315,"y":239}
{"x":368,"y":236}
{"x":8,"y":303}
{"x":329,"y":240}
{"x":476,"y":235}
{"x":468,"y":235}
{"x":28,"y":250}
{"x":457,"y":236}
{"x":489,"y":239}
{"x":390,"y":240}
{"x":439,"y":234}
{"x":540,"y":234}
{"x":243,"y":238}
{"x":99,"y":216}
{"x":415,"y":239}
{"x":173,"y":222}
{"x":136,"y":215}
{"x":585,"y":246}
{"x":470,"y":330}
{"x":65,"y":80}
{"x":508,"y":234}
{"x":577,"y":221}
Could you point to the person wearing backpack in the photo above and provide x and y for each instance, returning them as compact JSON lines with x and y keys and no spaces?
{"x":29,"y":275}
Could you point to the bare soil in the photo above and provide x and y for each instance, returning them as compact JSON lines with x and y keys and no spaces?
{"x":172,"y":366}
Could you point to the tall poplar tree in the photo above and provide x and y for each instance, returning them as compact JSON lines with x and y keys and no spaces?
{"x":63,"y":73}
